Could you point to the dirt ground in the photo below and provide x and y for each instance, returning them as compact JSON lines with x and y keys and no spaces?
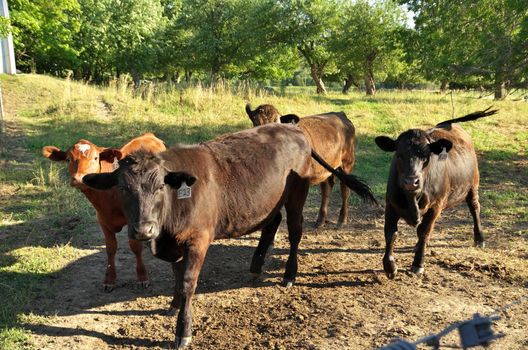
{"x":342,"y":299}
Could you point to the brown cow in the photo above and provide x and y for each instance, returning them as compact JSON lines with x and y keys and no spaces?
{"x":431,"y":170}
{"x":332,"y":135}
{"x":84,"y":158}
{"x":186,"y":197}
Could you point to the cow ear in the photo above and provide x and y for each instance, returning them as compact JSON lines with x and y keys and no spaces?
{"x":290,"y":118}
{"x":385,"y":143}
{"x":53,"y":153}
{"x":438,"y":146}
{"x":175,"y":179}
{"x":103,"y":181}
{"x":110,"y":154}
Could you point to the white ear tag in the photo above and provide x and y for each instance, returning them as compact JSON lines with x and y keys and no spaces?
{"x":115,"y":164}
{"x":443,"y":154}
{"x":183,"y":192}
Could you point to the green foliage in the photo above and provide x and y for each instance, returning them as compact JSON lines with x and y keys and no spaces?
{"x":310,"y":26}
{"x":43,"y":33}
{"x":373,"y":30}
{"x":485,"y":40}
{"x":118,"y":37}
{"x":5,"y":27}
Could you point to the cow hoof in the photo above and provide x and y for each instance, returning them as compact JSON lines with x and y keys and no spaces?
{"x":183,"y":342}
{"x":417,"y":270}
{"x":107,"y":288}
{"x":288,"y":283}
{"x":142,"y":284}
{"x":389,"y":266}
{"x":480,"y":244}
{"x":391,"y":275}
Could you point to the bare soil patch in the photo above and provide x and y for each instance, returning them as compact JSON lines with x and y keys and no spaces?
{"x":342,"y":299}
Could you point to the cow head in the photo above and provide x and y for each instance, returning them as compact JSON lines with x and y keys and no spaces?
{"x":263,"y":114}
{"x":144,"y":184}
{"x":83,"y":158}
{"x":413,"y":150}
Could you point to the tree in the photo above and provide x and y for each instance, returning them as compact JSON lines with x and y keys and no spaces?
{"x":368,"y":42}
{"x":309,"y":25}
{"x":483,"y":39}
{"x":117,"y":36}
{"x":43,"y":33}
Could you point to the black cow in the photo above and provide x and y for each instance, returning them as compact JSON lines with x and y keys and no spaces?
{"x":186,"y":197}
{"x":431,"y":170}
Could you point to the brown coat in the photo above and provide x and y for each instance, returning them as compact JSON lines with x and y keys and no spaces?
{"x":332,"y":136}
{"x":431,"y":170}
{"x":83,"y":158}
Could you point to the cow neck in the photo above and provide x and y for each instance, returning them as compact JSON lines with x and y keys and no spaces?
{"x":413,"y":200}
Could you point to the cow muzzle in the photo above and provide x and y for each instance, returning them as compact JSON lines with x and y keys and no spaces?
{"x":143,"y":231}
{"x":411,"y":183}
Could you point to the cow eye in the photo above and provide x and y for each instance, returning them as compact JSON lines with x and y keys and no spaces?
{"x":95,"y":158}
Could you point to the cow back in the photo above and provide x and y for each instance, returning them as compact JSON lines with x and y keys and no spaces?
{"x":455,"y":175}
{"x":332,"y":136}
{"x":242,"y":179}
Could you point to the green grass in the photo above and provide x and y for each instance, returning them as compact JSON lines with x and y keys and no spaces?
{"x":36,"y":203}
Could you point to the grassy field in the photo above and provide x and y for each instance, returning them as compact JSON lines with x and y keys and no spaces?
{"x":43,"y":221}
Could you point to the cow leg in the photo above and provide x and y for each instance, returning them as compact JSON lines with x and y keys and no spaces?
{"x":424,"y":230}
{"x":391,"y":232}
{"x":177,"y":270}
{"x":193,"y":260}
{"x":343,"y":214}
{"x":473,"y":203}
{"x":111,"y":249}
{"x":294,"y":208}
{"x":266,"y":239}
{"x":326,"y":190}
{"x":141,"y":271}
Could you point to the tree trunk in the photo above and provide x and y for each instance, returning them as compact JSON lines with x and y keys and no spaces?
{"x":370,"y":86}
{"x":136,"y":77}
{"x":349,"y":81}
{"x":318,"y":79}
{"x":443,"y":85}
{"x":500,"y":88}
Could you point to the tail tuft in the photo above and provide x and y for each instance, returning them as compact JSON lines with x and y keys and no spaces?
{"x":469,"y":117}
{"x":355,"y":183}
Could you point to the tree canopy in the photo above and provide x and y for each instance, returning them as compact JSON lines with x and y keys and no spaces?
{"x":361,"y":43}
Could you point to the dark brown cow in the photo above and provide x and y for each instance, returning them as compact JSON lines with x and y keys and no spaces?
{"x":85,"y":158}
{"x":332,"y":135}
{"x":186,"y":197}
{"x":431,"y":170}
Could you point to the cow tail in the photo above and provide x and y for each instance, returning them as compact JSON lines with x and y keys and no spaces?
{"x":469,"y":117}
{"x":248,"y":109}
{"x":355,"y":183}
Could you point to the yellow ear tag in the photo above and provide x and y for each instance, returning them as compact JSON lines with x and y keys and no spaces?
{"x":183,"y":192}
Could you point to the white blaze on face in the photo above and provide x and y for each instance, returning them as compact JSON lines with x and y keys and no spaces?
{"x":83,"y":148}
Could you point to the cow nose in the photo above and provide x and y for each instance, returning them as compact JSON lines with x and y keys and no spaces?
{"x":411,"y":183}
{"x":144,"y":231}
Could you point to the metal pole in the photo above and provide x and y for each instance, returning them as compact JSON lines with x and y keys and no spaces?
{"x":6,"y":46}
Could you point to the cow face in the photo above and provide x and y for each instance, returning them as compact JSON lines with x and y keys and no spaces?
{"x":413,"y":150}
{"x":144,"y":185}
{"x":83,"y":158}
{"x":263,"y":114}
